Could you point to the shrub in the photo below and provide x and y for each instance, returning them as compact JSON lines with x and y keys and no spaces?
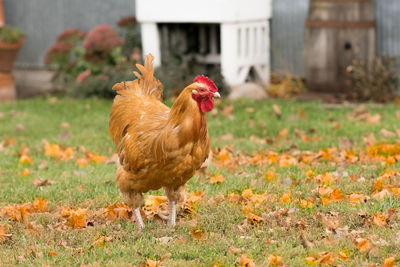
{"x":378,"y":83}
{"x":10,"y":34}
{"x":89,"y":64}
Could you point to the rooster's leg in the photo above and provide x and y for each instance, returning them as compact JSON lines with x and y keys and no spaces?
{"x":172,"y":213}
{"x":174,"y":195}
{"x":139,"y":220}
{"x":135,"y":201}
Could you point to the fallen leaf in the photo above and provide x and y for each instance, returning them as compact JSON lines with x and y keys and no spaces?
{"x":387,"y":134}
{"x":119,"y":211}
{"x":81,"y":162}
{"x":389,"y":262}
{"x":363,"y":245}
{"x":53,"y":254}
{"x":19,"y":128}
{"x":380,"y":219}
{"x":275,"y":260}
{"x":25,"y":159}
{"x":286,"y":198}
{"x":76,"y":218}
{"x":216,"y":179}
{"x":226,"y":137}
{"x":254,"y":219}
{"x":43,"y":182}
{"x":244,"y":261}
{"x":198,"y":234}
{"x":3,"y":231}
{"x":282,"y":133}
{"x":64,"y":125}
{"x":228,"y":110}
{"x":277,"y":111}
{"x":25,"y":172}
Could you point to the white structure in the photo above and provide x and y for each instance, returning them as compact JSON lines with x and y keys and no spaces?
{"x":233,"y":33}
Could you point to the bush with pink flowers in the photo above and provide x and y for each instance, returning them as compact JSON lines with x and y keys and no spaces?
{"x":88,"y":64}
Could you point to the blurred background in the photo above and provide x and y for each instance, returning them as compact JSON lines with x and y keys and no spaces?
{"x":291,"y":62}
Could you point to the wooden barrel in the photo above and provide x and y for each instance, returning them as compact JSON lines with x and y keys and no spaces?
{"x":337,"y":32}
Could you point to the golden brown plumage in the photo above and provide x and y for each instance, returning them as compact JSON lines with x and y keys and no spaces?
{"x":158,"y":146}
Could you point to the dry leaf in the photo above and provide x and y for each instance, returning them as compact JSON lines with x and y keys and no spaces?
{"x":43,"y":182}
{"x":277,"y":111}
{"x":198,"y":234}
{"x":217,"y":178}
{"x":254,"y":219}
{"x":75,"y":218}
{"x":3,"y":235}
{"x":275,"y":260}
{"x":380,"y":219}
{"x":25,"y":172}
{"x":363,"y":245}
{"x":282,"y":133}
{"x":286,"y":198}
{"x":25,"y":159}
{"x":53,"y":254}
{"x":228,"y":110}
{"x":119,"y":211}
{"x":389,"y":262}
{"x":387,"y":134}
{"x":244,"y":261}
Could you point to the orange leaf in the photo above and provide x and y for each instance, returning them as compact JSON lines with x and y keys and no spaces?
{"x":282,"y":133}
{"x":254,"y":219}
{"x":39,"y":205}
{"x":389,"y":262}
{"x":270,"y":175}
{"x":380,"y":219}
{"x":75,"y":218}
{"x":53,"y":253}
{"x":82,"y":162}
{"x":363,"y":245}
{"x":343,"y":255}
{"x":25,"y":172}
{"x":285,"y":198}
{"x":198,"y":234}
{"x":152,"y":263}
{"x":119,"y":211}
{"x":244,"y":261}
{"x":25,"y":159}
{"x":274,"y":260}
{"x":356,"y":199}
{"x":217,"y":178}
{"x":3,"y":235}
{"x":15,"y":212}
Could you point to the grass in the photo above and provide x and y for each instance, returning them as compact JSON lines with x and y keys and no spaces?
{"x":228,"y":236}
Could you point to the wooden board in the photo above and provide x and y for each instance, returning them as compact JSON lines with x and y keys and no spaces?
{"x":346,"y":33}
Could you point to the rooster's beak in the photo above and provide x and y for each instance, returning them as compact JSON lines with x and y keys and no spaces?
{"x":216,"y":94}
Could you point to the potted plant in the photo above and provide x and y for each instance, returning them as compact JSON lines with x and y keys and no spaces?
{"x":11,"y":40}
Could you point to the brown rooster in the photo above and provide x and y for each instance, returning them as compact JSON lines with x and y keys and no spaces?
{"x":159,"y":146}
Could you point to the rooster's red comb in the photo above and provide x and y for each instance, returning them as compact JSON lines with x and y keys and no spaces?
{"x":204,"y":80}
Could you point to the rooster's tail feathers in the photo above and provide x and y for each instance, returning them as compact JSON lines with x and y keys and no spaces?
{"x":146,"y":84}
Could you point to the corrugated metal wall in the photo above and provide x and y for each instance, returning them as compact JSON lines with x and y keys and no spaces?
{"x":287,"y":40}
{"x":43,"y":20}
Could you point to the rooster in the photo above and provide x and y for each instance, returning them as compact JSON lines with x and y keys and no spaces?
{"x":159,"y":147}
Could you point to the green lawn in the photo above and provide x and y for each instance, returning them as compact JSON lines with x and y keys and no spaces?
{"x":342,"y":232}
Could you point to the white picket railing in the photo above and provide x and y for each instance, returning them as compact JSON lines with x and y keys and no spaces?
{"x":232,"y":33}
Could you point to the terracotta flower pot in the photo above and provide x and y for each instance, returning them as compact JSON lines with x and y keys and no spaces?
{"x":8,"y":54}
